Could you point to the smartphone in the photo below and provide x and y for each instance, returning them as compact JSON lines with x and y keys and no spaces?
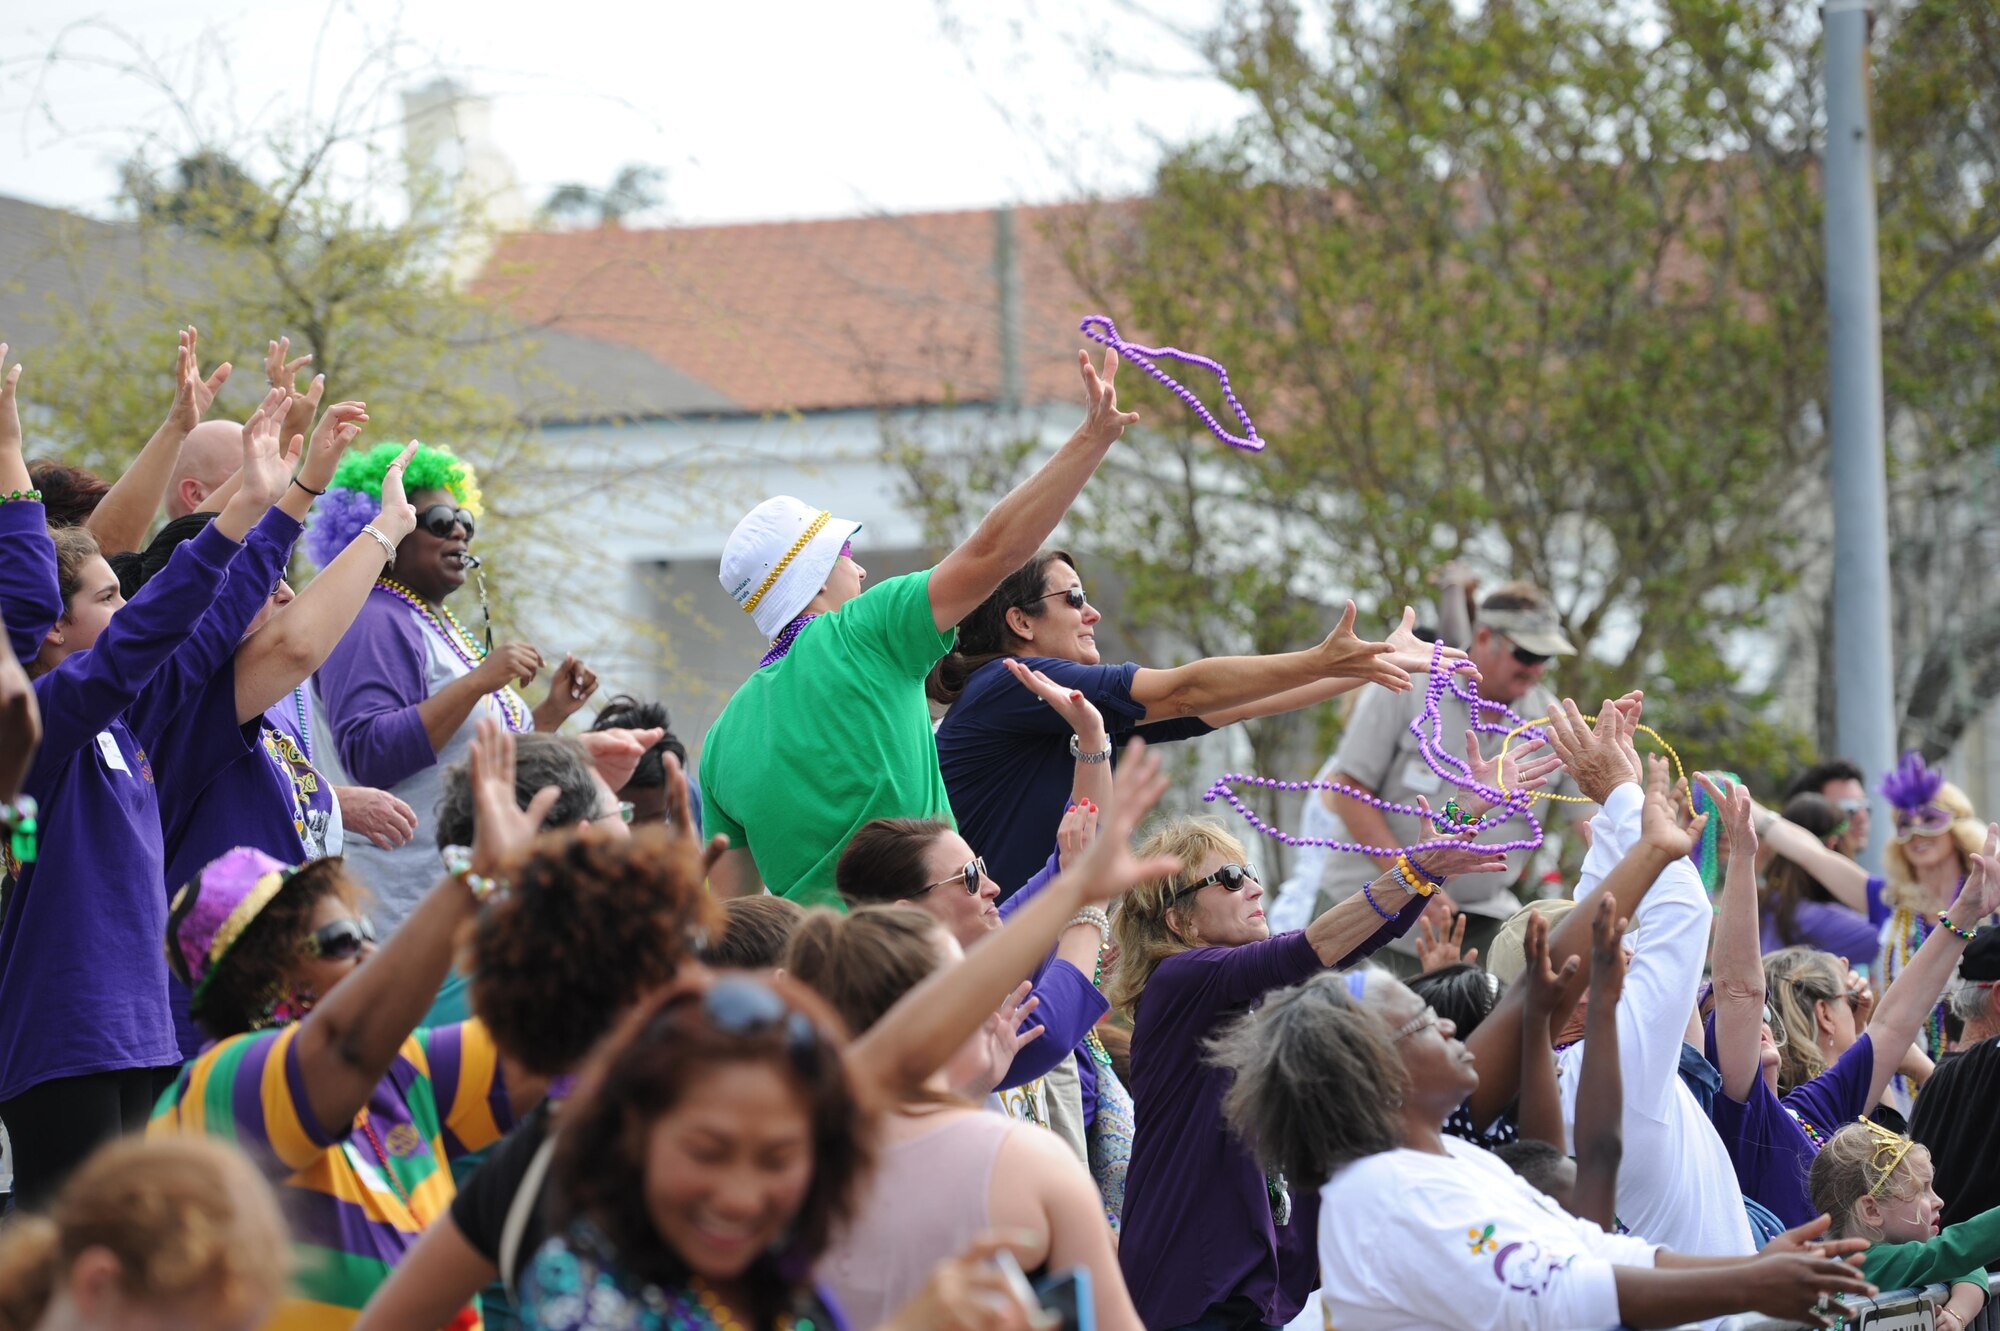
{"x":1067,"y":1295}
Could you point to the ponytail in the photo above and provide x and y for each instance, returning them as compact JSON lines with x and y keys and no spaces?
{"x":983,"y":636}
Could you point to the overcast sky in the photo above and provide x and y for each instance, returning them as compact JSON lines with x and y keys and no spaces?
{"x":758,"y":110}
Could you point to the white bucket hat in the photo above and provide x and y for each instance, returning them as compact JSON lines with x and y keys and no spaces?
{"x":779,"y":557}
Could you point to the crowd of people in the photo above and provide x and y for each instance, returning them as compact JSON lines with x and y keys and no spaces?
{"x":343,"y":986}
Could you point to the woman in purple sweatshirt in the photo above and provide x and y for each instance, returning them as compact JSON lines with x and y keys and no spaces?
{"x":1209,"y":1240}
{"x":86,"y":1043}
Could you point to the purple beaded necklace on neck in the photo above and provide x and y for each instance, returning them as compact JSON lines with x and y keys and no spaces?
{"x":787,"y":635}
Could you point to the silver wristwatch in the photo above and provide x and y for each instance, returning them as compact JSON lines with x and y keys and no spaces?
{"x":1076,"y":751}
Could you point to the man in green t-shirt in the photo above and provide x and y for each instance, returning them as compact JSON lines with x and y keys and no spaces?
{"x":832,"y":730}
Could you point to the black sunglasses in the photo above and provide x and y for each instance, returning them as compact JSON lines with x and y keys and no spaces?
{"x":439,"y":519}
{"x":741,"y":1006}
{"x":1072,"y":596}
{"x":1230,"y":876}
{"x":968,"y":877}
{"x":1526,"y":657}
{"x":340,"y":940}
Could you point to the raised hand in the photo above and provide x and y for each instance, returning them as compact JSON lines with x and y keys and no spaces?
{"x":1410,"y":653}
{"x":1000,"y":1039}
{"x":281,"y":373}
{"x":680,"y":814}
{"x":398,"y":517}
{"x":1084,"y":719}
{"x":1346,"y":655}
{"x":20,"y":716}
{"x":1102,"y":421}
{"x":1545,"y":983}
{"x":1108,"y":866}
{"x":1980,"y":896}
{"x":1664,"y":823}
{"x":337,"y":429}
{"x":1607,"y":953}
{"x":266,"y":473}
{"x":1523,"y":767}
{"x":13,"y":470}
{"x":1441,"y":946}
{"x":501,"y":830}
{"x":1075,"y":832}
{"x":1451,"y":861}
{"x":572,"y":686}
{"x":1600,"y":758}
{"x":1738,"y":810}
{"x":193,"y":395}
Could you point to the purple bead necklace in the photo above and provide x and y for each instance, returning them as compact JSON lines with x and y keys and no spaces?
{"x":1428,"y":728}
{"x":1099,"y":328}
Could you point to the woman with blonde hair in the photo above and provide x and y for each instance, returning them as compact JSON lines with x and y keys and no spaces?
{"x":1194,"y":952}
{"x":1936,"y":835}
{"x":160,"y":1235}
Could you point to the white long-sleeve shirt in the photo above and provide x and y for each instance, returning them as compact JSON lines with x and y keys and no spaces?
{"x":1675,"y":1185}
{"x":1410,"y":1241}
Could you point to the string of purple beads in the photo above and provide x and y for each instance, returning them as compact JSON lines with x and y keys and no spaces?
{"x":1099,"y":328}
{"x":1428,"y":728}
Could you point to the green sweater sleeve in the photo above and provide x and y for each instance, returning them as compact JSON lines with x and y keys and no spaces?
{"x":1960,"y":1255}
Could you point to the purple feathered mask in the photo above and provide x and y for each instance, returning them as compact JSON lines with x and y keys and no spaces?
{"x":1913,"y":784}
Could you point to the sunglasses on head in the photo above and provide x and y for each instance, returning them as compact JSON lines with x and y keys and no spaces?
{"x":1073,"y":597}
{"x":1230,"y":877}
{"x":741,"y":1006}
{"x":340,"y":940}
{"x":969,"y":877}
{"x":1931,"y":820}
{"x":439,"y":519}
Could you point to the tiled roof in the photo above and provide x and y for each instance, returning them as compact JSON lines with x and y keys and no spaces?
{"x":820,"y":315}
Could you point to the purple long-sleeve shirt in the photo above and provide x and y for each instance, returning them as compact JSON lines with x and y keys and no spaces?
{"x":1070,"y":1003}
{"x":1198,"y":1228}
{"x":30,"y":597}
{"x":83,"y":974}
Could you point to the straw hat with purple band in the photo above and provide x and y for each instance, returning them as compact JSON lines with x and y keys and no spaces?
{"x":1535,"y":629}
{"x":211,"y":912}
{"x":779,"y":557}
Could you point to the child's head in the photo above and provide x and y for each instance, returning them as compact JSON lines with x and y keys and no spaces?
{"x":1876,"y":1184}
{"x":1544,"y":1167}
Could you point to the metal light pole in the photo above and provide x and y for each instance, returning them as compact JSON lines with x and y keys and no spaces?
{"x":1863,"y":682}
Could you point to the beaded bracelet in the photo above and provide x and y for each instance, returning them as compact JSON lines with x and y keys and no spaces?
{"x":1414,"y":873}
{"x":1966,"y":934}
{"x":1376,"y":904}
{"x":34,"y":496}
{"x":1415,"y":887}
{"x":1095,"y":917}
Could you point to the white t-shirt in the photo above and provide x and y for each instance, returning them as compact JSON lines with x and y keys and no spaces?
{"x":1410,"y":1241}
{"x":1676,"y":1185}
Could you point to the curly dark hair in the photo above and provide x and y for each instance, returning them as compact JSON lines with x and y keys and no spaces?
{"x":983,"y":635}
{"x":590,"y":922}
{"x":253,"y":972}
{"x":754,"y":933}
{"x":641,"y":1074}
{"x":69,"y":494}
{"x":1463,"y":994}
{"x":626,"y":712}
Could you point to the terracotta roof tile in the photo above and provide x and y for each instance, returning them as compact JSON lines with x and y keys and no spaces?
{"x":821,"y":315}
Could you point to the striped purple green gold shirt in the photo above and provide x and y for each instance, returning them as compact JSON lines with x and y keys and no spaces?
{"x":443,"y":1097}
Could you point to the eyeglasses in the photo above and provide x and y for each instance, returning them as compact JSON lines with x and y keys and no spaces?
{"x":1526,"y":657}
{"x":1231,"y":877}
{"x":741,"y":1006}
{"x":623,"y":813}
{"x":439,"y":519}
{"x":968,"y":877}
{"x":1423,"y":1021}
{"x":340,"y":940}
{"x":1931,"y":820}
{"x":1072,"y":597}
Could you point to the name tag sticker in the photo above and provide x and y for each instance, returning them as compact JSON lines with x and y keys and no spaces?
{"x":114,"y":757}
{"x":1419,"y":777}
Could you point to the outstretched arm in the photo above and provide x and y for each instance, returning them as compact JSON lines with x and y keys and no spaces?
{"x":126,"y":511}
{"x":1738,"y":963}
{"x":1020,"y":523}
{"x":1600,"y":1086}
{"x":1220,"y":686}
{"x":1541,"y":1117}
{"x":1914,"y":992}
{"x":1845,"y":880}
{"x":1407,"y":653}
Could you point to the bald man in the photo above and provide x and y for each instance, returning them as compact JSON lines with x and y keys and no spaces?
{"x":209,"y":457}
